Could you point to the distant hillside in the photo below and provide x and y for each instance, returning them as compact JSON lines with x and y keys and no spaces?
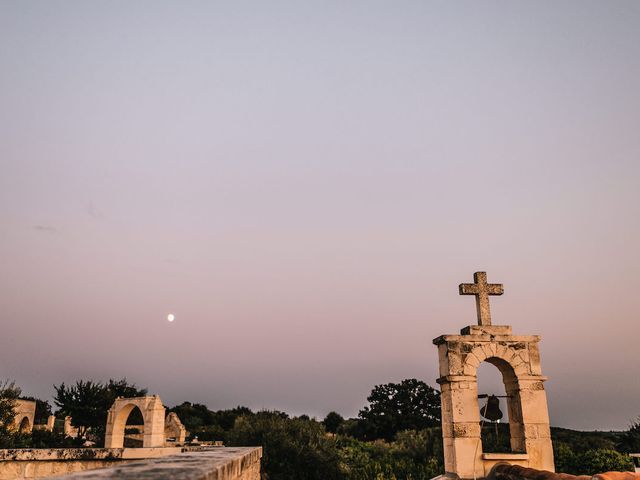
{"x":590,"y":440}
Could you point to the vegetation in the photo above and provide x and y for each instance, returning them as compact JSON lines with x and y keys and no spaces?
{"x":332,"y":422}
{"x":414,"y":455}
{"x":42,"y":439}
{"x":589,"y":462}
{"x":87,"y":403}
{"x":293,"y":448}
{"x":629,"y":441}
{"x":394,"y":407}
{"x":9,"y":393}
{"x":396,"y":436}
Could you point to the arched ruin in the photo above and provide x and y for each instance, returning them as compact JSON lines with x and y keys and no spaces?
{"x":174,"y":429}
{"x":152,"y":413}
{"x":24,"y":415}
{"x":25,"y":426}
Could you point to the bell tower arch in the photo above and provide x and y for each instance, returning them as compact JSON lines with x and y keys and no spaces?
{"x":517,"y":357}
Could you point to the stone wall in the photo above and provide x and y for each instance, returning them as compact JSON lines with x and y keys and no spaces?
{"x":216,"y":463}
{"x":45,"y":462}
{"x":211,"y":463}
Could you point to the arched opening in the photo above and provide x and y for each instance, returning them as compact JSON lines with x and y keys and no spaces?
{"x":134,"y":429}
{"x":498,"y":402}
{"x":494,"y":417}
{"x":25,"y":425}
{"x":172,"y":433}
{"x":152,"y":419}
{"x":129,"y":426}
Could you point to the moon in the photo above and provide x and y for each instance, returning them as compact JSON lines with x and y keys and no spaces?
{"x":171,"y":317}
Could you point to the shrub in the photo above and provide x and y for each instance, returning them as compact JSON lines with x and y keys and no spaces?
{"x":592,"y":462}
{"x":410,"y":457}
{"x":293,"y":449}
{"x":630,"y":440}
{"x":564,"y":458}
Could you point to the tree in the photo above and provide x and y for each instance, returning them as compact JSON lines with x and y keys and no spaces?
{"x":9,"y":393}
{"x":84,"y":402}
{"x":393,"y":407}
{"x":87,"y":402}
{"x":227,"y":418}
{"x":564,"y":458}
{"x":122,"y":388}
{"x":194,"y":415}
{"x":630,"y":440}
{"x":332,"y":422}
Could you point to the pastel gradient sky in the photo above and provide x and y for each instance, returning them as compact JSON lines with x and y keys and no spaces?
{"x":304,"y":184}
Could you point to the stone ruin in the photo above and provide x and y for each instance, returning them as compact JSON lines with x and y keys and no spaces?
{"x":156,"y":431}
{"x":24,"y":417}
{"x":517,"y":357}
{"x":25,"y":414}
{"x":166,"y":456}
{"x":174,"y":430}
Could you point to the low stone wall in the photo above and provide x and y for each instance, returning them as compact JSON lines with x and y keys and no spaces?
{"x":46,"y":462}
{"x":188,"y":463}
{"x":215,"y":463}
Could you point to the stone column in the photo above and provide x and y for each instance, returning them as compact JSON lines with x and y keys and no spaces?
{"x":461,"y":426}
{"x":516,"y":427}
{"x":114,"y":437}
{"x":535,"y":419}
{"x":154,"y":424}
{"x":51,"y":421}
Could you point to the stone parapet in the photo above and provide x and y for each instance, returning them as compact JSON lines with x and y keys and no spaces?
{"x":219,"y":463}
{"x":242,"y":463}
{"x":69,"y":454}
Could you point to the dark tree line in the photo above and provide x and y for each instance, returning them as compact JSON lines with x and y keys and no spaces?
{"x":395,"y":436}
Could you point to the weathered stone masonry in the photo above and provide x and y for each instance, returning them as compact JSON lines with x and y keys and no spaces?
{"x":517,"y":358}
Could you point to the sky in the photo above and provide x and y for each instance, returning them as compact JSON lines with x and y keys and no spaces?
{"x":305,"y":184}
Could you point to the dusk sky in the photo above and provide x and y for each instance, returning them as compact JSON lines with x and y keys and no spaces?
{"x":305,"y":184}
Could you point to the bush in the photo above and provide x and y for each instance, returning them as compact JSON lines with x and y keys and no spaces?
{"x":209,"y":433}
{"x":408,"y":458}
{"x":592,"y":462}
{"x":564,"y":458}
{"x":39,"y":439}
{"x":332,"y":422}
{"x":293,"y":449}
{"x":630,"y":440}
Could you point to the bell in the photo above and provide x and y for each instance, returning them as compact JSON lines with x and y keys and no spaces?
{"x":491,"y":411}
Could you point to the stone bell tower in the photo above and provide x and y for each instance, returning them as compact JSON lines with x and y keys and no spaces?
{"x":517,"y":357}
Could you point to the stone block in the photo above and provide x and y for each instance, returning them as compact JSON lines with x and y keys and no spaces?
{"x":487,"y":330}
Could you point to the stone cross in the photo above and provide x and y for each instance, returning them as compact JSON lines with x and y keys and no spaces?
{"x":481,"y":289}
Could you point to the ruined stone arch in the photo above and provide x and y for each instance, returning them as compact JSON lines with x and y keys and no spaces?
{"x":174,"y":429}
{"x":24,"y":415}
{"x":25,"y":426}
{"x":152,"y":414}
